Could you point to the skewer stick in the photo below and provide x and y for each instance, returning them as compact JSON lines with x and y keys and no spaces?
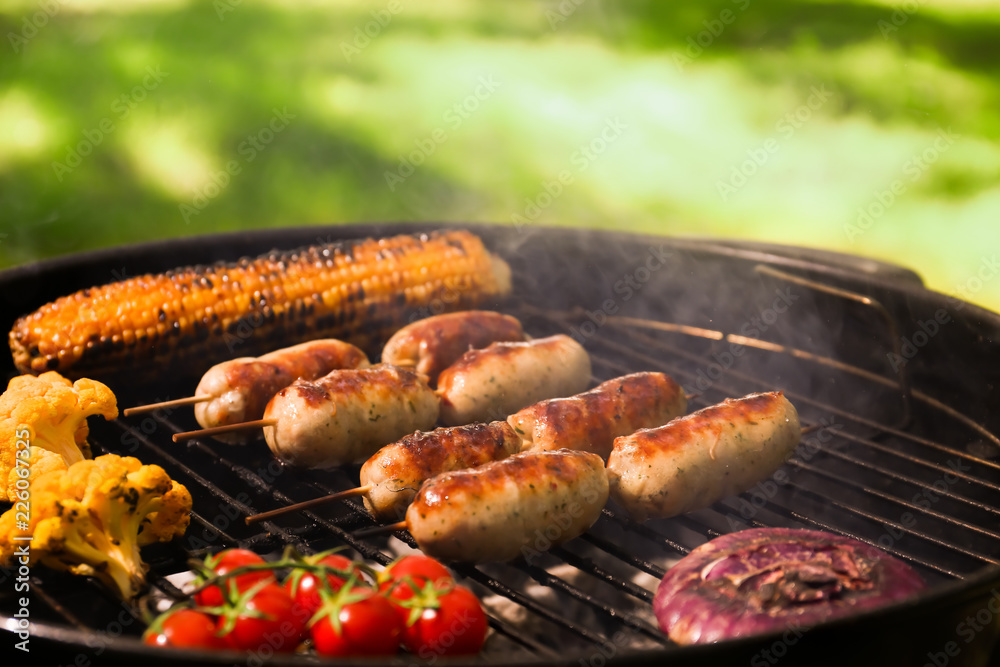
{"x":810,"y":429}
{"x":381,"y":530}
{"x":142,"y":409}
{"x":349,"y":493}
{"x":228,"y":428}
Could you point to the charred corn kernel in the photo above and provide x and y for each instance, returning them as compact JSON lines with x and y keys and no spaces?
{"x":359,"y":291}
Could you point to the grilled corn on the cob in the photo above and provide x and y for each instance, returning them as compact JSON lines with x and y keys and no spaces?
{"x":359,"y":291}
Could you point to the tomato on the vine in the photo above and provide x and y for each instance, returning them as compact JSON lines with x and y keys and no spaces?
{"x":263,"y":615}
{"x":356,"y":621}
{"x":184,"y":628}
{"x":225,"y":562}
{"x":442,"y":619}
{"x":304,"y":586}
{"x":401,"y":576}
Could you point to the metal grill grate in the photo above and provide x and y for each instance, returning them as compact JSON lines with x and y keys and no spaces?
{"x":909,"y":475}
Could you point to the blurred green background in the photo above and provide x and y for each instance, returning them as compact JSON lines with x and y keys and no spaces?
{"x":865,"y":127}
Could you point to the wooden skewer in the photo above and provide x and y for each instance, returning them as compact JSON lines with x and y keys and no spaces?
{"x":380,"y":530}
{"x":228,"y":428}
{"x":142,"y":409}
{"x":349,"y":493}
{"x":810,"y":429}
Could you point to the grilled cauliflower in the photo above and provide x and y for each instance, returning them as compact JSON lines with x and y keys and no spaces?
{"x":92,"y":517}
{"x":55,"y":411}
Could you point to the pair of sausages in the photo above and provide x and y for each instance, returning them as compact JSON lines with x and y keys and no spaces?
{"x":588,"y":422}
{"x":238,"y":390}
{"x":346,"y":415}
{"x":495,"y":512}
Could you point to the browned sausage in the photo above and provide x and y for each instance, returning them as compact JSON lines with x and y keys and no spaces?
{"x":395,"y":472}
{"x":508,"y":508}
{"x":695,"y":460}
{"x":592,"y":420}
{"x":240,"y":388}
{"x":432,"y":344}
{"x":499,"y":380}
{"x":347,"y":415}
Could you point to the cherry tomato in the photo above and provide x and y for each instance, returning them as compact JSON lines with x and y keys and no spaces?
{"x":184,"y":628}
{"x":264,"y":615}
{"x":400,"y":578}
{"x":356,"y":621}
{"x":227,"y":561}
{"x":305,"y":586}
{"x":445,"y":621}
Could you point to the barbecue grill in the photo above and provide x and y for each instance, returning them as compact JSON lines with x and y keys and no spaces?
{"x":897,"y":381}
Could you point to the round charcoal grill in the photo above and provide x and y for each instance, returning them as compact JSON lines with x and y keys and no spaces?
{"x":896,"y":380}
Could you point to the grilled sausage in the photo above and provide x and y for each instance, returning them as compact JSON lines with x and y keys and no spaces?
{"x":592,"y":420}
{"x":396,"y":471}
{"x":347,"y":415}
{"x":518,"y":506}
{"x":501,"y":379}
{"x":431,"y":345}
{"x":705,"y":456}
{"x":240,"y":388}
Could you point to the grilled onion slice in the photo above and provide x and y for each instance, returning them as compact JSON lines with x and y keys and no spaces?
{"x":772,"y":579}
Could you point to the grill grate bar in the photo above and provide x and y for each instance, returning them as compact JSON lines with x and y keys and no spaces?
{"x":946,"y":493}
{"x":614,"y":550}
{"x":587,"y":565}
{"x":543,"y":577}
{"x":800,"y":398}
{"x":533,"y":606}
{"x":869,"y":515}
{"x":37,"y":588}
{"x":890,"y":550}
{"x":946,"y":470}
{"x":828,"y":526}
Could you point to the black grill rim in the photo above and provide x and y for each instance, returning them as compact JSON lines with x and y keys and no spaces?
{"x":954,"y":595}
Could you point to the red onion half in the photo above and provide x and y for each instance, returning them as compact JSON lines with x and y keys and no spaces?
{"x":771,"y":579}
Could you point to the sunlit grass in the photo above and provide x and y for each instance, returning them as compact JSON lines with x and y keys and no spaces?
{"x":24,"y":127}
{"x":168,"y":156}
{"x":483,"y":110}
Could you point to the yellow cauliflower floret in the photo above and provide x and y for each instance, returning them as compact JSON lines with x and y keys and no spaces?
{"x":92,"y":517}
{"x":50,"y":414}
